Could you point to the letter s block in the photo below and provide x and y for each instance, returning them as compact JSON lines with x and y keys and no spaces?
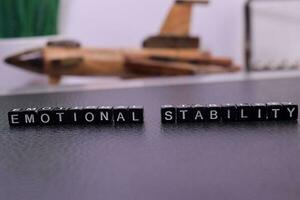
{"x":168,"y":114}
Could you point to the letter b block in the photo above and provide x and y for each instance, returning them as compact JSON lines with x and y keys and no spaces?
{"x":213,"y":113}
{"x":168,"y":114}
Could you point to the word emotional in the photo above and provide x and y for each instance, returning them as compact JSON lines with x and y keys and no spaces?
{"x":229,"y":112}
{"x":76,"y":115}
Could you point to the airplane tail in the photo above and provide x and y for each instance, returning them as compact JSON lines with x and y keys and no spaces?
{"x":175,"y":31}
{"x":178,"y":20}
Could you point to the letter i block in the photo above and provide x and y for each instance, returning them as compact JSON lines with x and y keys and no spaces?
{"x":290,"y":111}
{"x":15,"y":117}
{"x":229,"y":112}
{"x":244,"y":112}
{"x":74,"y":115}
{"x":136,"y":114}
{"x":46,"y":116}
{"x":106,"y":114}
{"x":168,"y":114}
{"x":184,"y":114}
{"x":199,"y":113}
{"x":213,"y":113}
{"x":121,"y":115}
{"x":274,"y":111}
{"x":259,"y":112}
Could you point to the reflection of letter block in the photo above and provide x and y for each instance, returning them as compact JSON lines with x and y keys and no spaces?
{"x":168,"y":114}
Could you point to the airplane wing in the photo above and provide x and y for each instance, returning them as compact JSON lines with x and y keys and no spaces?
{"x":159,"y":67}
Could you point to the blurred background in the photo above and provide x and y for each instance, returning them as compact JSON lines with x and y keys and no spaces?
{"x":98,"y":23}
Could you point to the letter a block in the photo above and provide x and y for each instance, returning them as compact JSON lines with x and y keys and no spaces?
{"x":199,"y":113}
{"x":121,"y":115}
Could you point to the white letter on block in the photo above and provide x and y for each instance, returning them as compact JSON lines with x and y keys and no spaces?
{"x":168,"y":116}
{"x":47,"y":118}
{"x":29,"y":119}
{"x":91,"y":118}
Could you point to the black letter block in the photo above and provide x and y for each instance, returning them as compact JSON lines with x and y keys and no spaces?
{"x":290,"y":111}
{"x":121,"y":115}
{"x":184,"y":114}
{"x":46,"y":116}
{"x":168,"y":114}
{"x":199,"y":113}
{"x":259,"y":112}
{"x":74,"y":115}
{"x":213,"y":113}
{"x":244,"y":111}
{"x":29,"y":116}
{"x":229,"y":112}
{"x":274,"y":111}
{"x":90,"y":115}
{"x":15,"y":117}
{"x":60,"y":115}
{"x":106,"y":114}
{"x":136,"y":114}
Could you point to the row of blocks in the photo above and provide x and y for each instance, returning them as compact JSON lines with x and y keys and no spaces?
{"x":229,"y":112}
{"x":76,"y":115}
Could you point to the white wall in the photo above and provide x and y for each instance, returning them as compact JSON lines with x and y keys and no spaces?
{"x":125,"y":23}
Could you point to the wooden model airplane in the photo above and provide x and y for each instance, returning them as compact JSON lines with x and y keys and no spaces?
{"x":172,"y":52}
